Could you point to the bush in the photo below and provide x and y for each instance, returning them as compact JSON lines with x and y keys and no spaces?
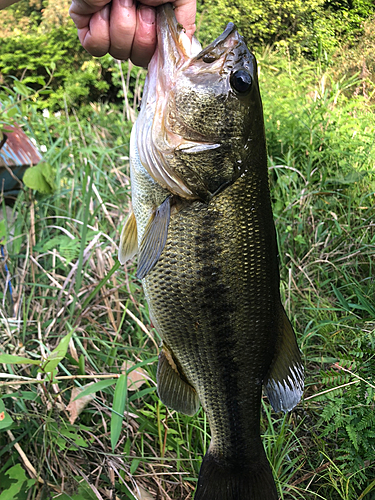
{"x":34,"y":39}
{"x":78,"y":78}
{"x":309,"y":27}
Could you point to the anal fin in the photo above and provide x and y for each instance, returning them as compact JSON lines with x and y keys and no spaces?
{"x":154,"y":238}
{"x":285,"y":380}
{"x":172,"y":389}
{"x":128,"y":240}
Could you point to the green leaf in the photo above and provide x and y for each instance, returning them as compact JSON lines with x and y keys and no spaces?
{"x":142,"y":393}
{"x":130,"y":495}
{"x":3,"y":232}
{"x":25,"y":395}
{"x":41,"y":81}
{"x":127,"y":447}
{"x":67,"y":438}
{"x":49,"y":174}
{"x":9,"y":359}
{"x":34,"y":179}
{"x":16,"y":483}
{"x":134,"y":465}
{"x":73,"y":437}
{"x":57,"y":355}
{"x":352,"y":435}
{"x":119,"y":400}
{"x":67,"y":247}
{"x":5,"y":419}
{"x":11,"y":112}
{"x":340,"y":298}
{"x":20,"y":88}
{"x":19,"y":474}
{"x":98,"y":386}
{"x":40,"y":177}
{"x":101,"y":284}
{"x":370,"y":487}
{"x":81,"y":364}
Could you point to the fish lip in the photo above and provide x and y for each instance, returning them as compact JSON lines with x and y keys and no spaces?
{"x":168,"y":29}
{"x":156,"y":139}
{"x":170,"y":33}
{"x":220,"y":40}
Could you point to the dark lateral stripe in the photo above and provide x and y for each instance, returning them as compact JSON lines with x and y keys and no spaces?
{"x":217,"y":305}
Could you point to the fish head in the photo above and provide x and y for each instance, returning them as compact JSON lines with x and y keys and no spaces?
{"x":204,"y":110}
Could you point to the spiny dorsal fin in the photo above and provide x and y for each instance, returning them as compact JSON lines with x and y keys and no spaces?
{"x":284,"y":383}
{"x":172,"y":389}
{"x":154,"y":238}
{"x":128,"y":240}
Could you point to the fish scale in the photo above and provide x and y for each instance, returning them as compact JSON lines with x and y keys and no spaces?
{"x":215,"y":324}
{"x":202,"y":224}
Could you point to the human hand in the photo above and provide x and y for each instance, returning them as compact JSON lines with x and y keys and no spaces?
{"x":125,"y":28}
{"x":5,"y":3}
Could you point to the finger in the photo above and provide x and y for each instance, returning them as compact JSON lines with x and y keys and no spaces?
{"x":85,"y":7}
{"x":5,"y":3}
{"x":144,"y":44}
{"x":93,"y":29}
{"x":185,"y":11}
{"x":122,"y":28}
{"x":81,"y":11}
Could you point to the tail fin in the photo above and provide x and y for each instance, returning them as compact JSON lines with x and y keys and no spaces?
{"x":222,"y":482}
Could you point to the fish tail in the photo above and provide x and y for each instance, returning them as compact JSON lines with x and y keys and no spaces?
{"x":218,"y":481}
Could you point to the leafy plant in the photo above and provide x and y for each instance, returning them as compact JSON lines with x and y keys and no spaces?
{"x":312,"y":27}
{"x":60,"y":250}
{"x":14,"y":484}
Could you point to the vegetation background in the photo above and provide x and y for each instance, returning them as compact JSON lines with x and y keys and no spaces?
{"x":72,"y":322}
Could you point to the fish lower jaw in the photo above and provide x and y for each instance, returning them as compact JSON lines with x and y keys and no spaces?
{"x":192,"y":47}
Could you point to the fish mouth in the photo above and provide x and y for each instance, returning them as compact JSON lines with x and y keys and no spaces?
{"x":173,"y":43}
{"x":175,"y":48}
{"x":157,"y":139}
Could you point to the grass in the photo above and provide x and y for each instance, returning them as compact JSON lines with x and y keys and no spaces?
{"x":61,"y":255}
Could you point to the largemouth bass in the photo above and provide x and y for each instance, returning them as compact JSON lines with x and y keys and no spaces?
{"x":202,"y":225}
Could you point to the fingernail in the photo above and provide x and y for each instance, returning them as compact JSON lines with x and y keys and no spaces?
{"x":147,"y":14}
{"x":127,"y":3}
{"x":104,"y":13}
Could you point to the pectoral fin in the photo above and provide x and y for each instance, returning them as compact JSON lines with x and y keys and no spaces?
{"x":154,"y":238}
{"x":128,"y":241}
{"x":284,"y":383}
{"x":172,"y":389}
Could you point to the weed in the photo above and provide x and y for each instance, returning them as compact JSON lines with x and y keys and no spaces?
{"x":93,"y":423}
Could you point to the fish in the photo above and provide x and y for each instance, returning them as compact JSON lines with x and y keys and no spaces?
{"x":201,"y":223}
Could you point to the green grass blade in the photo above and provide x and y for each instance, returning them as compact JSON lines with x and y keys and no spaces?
{"x":98,"y":386}
{"x":9,"y":359}
{"x":101,"y":284}
{"x":118,"y":408}
{"x":369,"y":488}
{"x":57,"y":355}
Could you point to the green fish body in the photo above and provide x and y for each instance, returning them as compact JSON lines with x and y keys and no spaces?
{"x":207,"y":255}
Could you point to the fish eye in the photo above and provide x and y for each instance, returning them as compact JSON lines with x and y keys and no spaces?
{"x":241,"y":81}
